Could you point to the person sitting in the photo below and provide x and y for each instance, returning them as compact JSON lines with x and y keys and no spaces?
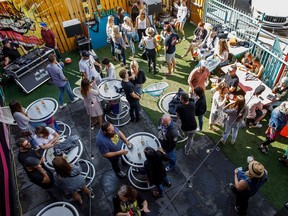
{"x":209,"y":45}
{"x":10,"y":51}
{"x":247,"y":60}
{"x":69,"y":179}
{"x":222,"y":52}
{"x":232,"y":79}
{"x":155,"y":170}
{"x":32,"y":164}
{"x":200,"y":34}
{"x":129,"y":202}
{"x":46,"y":137}
{"x":257,"y":67}
{"x":256,"y":112}
{"x":110,"y":69}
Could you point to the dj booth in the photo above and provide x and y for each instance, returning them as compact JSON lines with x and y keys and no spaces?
{"x":29,"y":71}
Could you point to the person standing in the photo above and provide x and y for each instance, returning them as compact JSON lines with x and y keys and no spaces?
{"x":50,"y":39}
{"x":181,"y":17}
{"x":32,"y":164}
{"x":128,"y":29}
{"x":141,"y":24}
{"x":136,"y":76}
{"x":110,"y":69}
{"x":170,"y":49}
{"x":87,"y":67}
{"x":109,"y":141}
{"x":91,"y":102}
{"x":58,"y":79}
{"x":131,"y":96}
{"x":149,"y":42}
{"x":198,"y":77}
{"x":278,"y":120}
{"x":168,"y":135}
{"x":200,"y":106}
{"x":135,"y":6}
{"x":186,"y":112}
{"x":247,"y":184}
{"x":10,"y":51}
{"x":109,"y":30}
{"x":119,"y":44}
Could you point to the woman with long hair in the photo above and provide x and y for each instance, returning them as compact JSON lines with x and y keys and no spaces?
{"x":46,"y":137}
{"x":181,"y":17}
{"x":91,"y":102}
{"x":109,"y":30}
{"x":129,"y":200}
{"x":150,"y":43}
{"x":136,"y":76}
{"x":222,"y":52}
{"x":200,"y":34}
{"x":119,"y":44}
{"x":141,"y":24}
{"x":236,"y":112}
{"x":69,"y":179}
{"x":257,"y":67}
{"x":128,"y":29}
{"x":219,"y":99}
{"x":119,"y":18}
{"x":200,"y":105}
{"x":155,"y":170}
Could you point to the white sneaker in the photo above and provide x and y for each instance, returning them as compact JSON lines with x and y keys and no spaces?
{"x":75,"y":99}
{"x":63,"y":105}
{"x":258,"y":125}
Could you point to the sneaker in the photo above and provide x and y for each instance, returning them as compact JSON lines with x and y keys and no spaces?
{"x":92,"y":195}
{"x":63,"y":105}
{"x":121,"y":174}
{"x":258,"y":125}
{"x":168,"y":168}
{"x":75,"y":99}
{"x":184,"y":38}
{"x":198,"y":130}
{"x":92,"y":127}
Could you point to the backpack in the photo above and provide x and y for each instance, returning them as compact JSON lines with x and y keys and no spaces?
{"x":174,"y":102}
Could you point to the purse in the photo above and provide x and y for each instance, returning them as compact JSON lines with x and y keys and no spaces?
{"x":109,"y":40}
{"x":118,"y":51}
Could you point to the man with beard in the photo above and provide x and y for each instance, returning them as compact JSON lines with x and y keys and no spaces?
{"x":109,"y":141}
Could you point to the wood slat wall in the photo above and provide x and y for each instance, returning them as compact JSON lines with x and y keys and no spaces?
{"x":197,"y":11}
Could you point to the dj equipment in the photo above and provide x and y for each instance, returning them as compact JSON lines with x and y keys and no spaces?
{"x":153,"y":6}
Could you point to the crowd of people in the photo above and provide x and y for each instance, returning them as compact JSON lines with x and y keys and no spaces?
{"x":230,"y":109}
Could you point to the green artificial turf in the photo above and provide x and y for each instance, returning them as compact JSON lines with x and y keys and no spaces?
{"x":247,"y":141}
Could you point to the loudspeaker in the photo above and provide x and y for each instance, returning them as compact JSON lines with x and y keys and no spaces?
{"x":153,"y":6}
{"x":72,"y":28}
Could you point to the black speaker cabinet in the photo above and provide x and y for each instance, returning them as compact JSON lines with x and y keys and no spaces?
{"x":153,"y":6}
{"x":72,"y":28}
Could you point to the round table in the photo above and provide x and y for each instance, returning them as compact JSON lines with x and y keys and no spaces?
{"x":42,"y":109}
{"x":120,"y":110}
{"x":77,"y":92}
{"x":136,"y":157}
{"x":59,"y":208}
{"x":72,"y":157}
{"x":163,"y":105}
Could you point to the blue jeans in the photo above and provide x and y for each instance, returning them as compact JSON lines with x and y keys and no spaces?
{"x":68,"y":89}
{"x":228,"y":129}
{"x":112,"y":46}
{"x":200,"y":120}
{"x":172,"y":157}
{"x":160,"y":187}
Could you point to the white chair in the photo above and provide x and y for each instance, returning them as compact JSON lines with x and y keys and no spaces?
{"x":59,"y":208}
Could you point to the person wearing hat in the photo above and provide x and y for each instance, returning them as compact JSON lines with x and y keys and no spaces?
{"x":281,"y":92}
{"x":150,"y":43}
{"x":232,"y":79}
{"x":198,"y":77}
{"x":170,"y":49}
{"x":247,"y":184}
{"x":278,"y":120}
{"x":87,"y":67}
{"x":10,"y":51}
{"x":32,"y":164}
{"x":49,"y":38}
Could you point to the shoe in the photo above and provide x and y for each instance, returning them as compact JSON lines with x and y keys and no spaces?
{"x":75,"y":99}
{"x":121,"y":174}
{"x":156,"y":194}
{"x":183,"y":56}
{"x":167,"y":184}
{"x":92,"y":127}
{"x":258,"y":125}
{"x":63,"y":105}
{"x":263,"y":150}
{"x":222,"y":141}
{"x":232,"y":143}
{"x":168,"y":168}
{"x":198,"y":130}
{"x":92,"y":195}
{"x":183,"y":39}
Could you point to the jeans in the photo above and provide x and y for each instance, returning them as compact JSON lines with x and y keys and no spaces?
{"x":131,"y":43}
{"x":68,"y":89}
{"x":172,"y":157}
{"x":160,"y":187}
{"x":151,"y":57}
{"x":228,"y":129}
{"x":141,"y":32}
{"x":122,"y":55}
{"x":112,"y":46}
{"x":115,"y":164}
{"x":200,"y":120}
{"x":134,"y":107}
{"x":189,"y":140}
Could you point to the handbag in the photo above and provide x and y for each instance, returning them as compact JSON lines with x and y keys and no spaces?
{"x":109,"y":40}
{"x":118,"y":51}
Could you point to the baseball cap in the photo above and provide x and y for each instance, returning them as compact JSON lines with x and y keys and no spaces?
{"x":43,"y":24}
{"x":31,"y":162}
{"x":85,"y":53}
{"x":203,"y":63}
{"x":5,"y":41}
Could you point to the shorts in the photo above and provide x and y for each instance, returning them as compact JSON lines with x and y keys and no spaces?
{"x":170,"y":57}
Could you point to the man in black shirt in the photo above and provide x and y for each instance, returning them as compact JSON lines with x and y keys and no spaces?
{"x":186,"y":112}
{"x":232,"y":79}
{"x":32,"y":164}
{"x":132,"y":97}
{"x":10,"y":51}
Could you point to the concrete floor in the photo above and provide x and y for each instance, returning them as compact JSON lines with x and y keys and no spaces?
{"x":209,"y":194}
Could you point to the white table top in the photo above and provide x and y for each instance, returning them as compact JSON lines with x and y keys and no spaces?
{"x":110,"y":93}
{"x":46,"y":110}
{"x":135,"y":156}
{"x":238,"y":50}
{"x":59,"y":208}
{"x":77,"y":92}
{"x":164,"y":102}
{"x":249,"y":86}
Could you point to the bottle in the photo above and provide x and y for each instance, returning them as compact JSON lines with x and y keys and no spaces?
{"x":106,"y":88}
{"x":139,"y":153}
{"x":190,"y":184}
{"x":37,"y":108}
{"x":43,"y":102}
{"x":142,"y":140}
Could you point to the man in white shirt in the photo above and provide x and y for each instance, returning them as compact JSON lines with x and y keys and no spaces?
{"x":87,"y":68}
{"x":110,"y":69}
